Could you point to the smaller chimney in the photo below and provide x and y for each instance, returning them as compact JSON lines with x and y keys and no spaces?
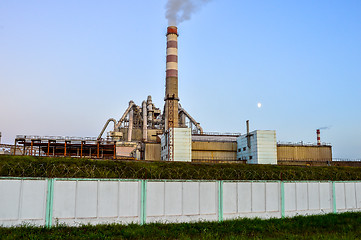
{"x":318,"y":132}
{"x":248,"y":135}
{"x":247,"y":124}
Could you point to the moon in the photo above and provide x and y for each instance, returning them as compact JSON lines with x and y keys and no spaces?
{"x":259,"y":105}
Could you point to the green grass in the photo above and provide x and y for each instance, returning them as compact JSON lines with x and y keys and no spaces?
{"x":330,"y":226}
{"x":28,"y":166}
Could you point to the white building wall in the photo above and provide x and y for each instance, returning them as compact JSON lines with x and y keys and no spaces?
{"x":164,"y":147}
{"x":181,"y":145}
{"x":263,"y":147}
{"x":266,"y":147}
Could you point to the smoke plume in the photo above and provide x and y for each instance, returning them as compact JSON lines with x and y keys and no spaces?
{"x":178,"y":11}
{"x":325,"y":128}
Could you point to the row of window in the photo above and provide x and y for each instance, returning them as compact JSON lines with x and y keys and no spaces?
{"x":245,"y":158}
{"x":240,"y":149}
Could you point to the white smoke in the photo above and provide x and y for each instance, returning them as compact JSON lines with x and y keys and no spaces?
{"x":325,"y":128}
{"x":178,"y":11}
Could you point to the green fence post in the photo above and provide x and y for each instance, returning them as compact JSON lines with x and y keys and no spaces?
{"x":49,"y":203}
{"x":282,"y":199}
{"x":143,"y":202}
{"x":220,"y":201}
{"x":334,"y":197}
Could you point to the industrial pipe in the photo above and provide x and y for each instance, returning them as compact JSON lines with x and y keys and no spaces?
{"x":198,"y":126}
{"x":130,"y":126}
{"x":131,"y":105}
{"x":106,"y":125}
{"x":145,"y":122}
{"x":150,"y":109}
{"x":182,"y":119}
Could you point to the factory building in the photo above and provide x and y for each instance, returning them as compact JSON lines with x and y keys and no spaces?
{"x":258,"y":147}
{"x":145,"y":132}
{"x":214,"y":148}
{"x":304,"y":154}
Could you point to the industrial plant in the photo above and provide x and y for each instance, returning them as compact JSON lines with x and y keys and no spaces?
{"x":150,"y":133}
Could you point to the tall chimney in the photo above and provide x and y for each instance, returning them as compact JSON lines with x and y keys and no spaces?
{"x":318,"y":136}
{"x":171,"y":86}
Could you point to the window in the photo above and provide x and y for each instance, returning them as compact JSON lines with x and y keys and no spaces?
{"x":244,"y":149}
{"x":250,"y":157}
{"x":239,"y":149}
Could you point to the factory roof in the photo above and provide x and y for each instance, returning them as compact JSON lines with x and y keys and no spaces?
{"x":215,"y":137}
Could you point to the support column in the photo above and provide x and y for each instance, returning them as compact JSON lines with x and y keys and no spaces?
{"x":115,"y":151}
{"x":49,"y":204}
{"x":334,"y":206}
{"x":220,"y":201}
{"x":143,"y":202}
{"x":97,"y":149}
{"x":48,"y":148}
{"x":15,"y":147}
{"x":31,"y":147}
{"x":81,"y":149}
{"x":283,"y":214}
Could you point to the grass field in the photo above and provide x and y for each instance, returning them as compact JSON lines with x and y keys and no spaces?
{"x":330,"y":226}
{"x":28,"y":166}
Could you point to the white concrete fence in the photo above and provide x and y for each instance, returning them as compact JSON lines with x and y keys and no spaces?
{"x":47,"y":202}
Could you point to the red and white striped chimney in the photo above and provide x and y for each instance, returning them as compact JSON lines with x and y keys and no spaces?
{"x":171,"y":87}
{"x":318,"y":132}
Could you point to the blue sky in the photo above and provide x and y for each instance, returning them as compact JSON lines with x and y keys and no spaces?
{"x":68,"y":66}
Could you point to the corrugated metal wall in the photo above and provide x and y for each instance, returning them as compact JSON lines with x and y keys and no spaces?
{"x":182,"y":144}
{"x":214,"y":150}
{"x":303,"y":153}
{"x":228,"y":151}
{"x":152,"y":151}
{"x":266,"y":147}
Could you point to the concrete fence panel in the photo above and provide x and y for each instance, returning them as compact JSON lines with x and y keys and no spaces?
{"x":326,"y":197}
{"x":181,"y":201}
{"x":93,"y":201}
{"x":305,"y":198}
{"x":358,"y":194}
{"x":251,"y":199}
{"x":22,"y":202}
{"x":348,"y":196}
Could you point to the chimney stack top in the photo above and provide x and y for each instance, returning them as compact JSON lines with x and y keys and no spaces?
{"x":172,"y":30}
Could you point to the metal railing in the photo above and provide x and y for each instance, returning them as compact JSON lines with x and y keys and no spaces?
{"x":301,"y":143}
{"x":346,"y":160}
{"x":220,"y":134}
{"x":59,"y":138}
